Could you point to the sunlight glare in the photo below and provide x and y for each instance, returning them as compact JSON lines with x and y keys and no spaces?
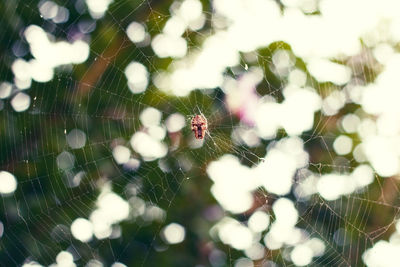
{"x":259,"y":221}
{"x":175,"y":122}
{"x":76,"y":139}
{"x":136,"y":32}
{"x":121,"y":154}
{"x":138,"y":77}
{"x":8,"y":183}
{"x":21,"y":102}
{"x":98,"y":8}
{"x":82,"y":230}
{"x":174,"y":233}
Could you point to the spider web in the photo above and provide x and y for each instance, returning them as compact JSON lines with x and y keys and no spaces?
{"x":60,"y":181}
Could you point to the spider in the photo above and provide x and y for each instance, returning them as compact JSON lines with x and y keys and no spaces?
{"x":199,"y":126}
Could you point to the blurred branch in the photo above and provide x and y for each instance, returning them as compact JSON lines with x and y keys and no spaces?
{"x":100,"y":65}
